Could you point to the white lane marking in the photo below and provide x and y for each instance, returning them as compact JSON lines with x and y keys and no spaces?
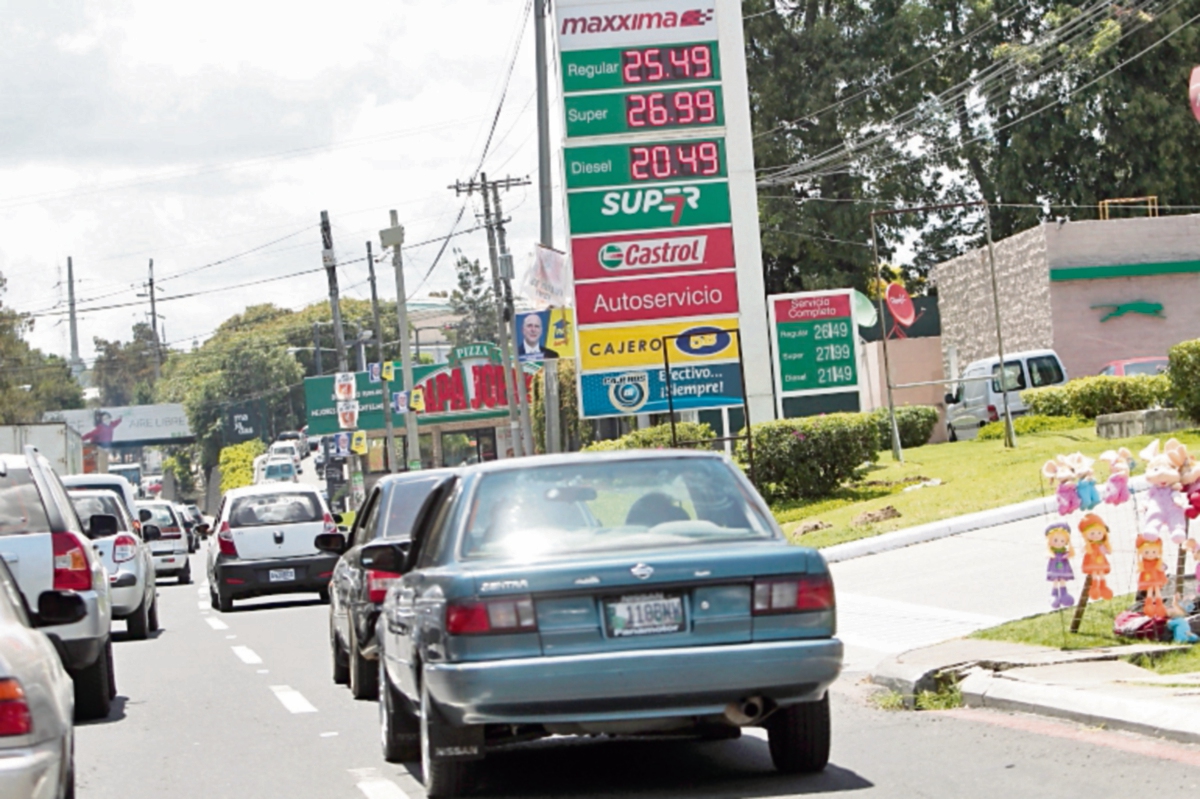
{"x":217,"y":624}
{"x":230,"y":637}
{"x":202,"y":605}
{"x":264,"y":671}
{"x":292,"y":699}
{"x":328,"y":734}
{"x":247,"y":655}
{"x":381,"y":789}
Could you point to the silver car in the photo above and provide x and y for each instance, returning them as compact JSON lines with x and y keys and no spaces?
{"x":127,"y":559}
{"x":36,"y":696}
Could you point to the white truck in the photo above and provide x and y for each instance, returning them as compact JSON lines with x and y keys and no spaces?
{"x":56,"y":441}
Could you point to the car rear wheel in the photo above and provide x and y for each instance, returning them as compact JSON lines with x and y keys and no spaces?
{"x":953,"y":435}
{"x":138,"y":624}
{"x":364,"y":675}
{"x":185,"y":576}
{"x":224,"y":601}
{"x":341,"y":663}
{"x":399,"y":728}
{"x":443,"y":778}
{"x":799,"y":737}
{"x":93,"y":697}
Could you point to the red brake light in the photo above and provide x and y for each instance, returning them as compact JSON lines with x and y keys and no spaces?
{"x":330,"y":527}
{"x":793,"y":594}
{"x":225,"y":543}
{"x":377,"y":585}
{"x":514,"y":614}
{"x":993,"y":414}
{"x":124,"y":548}
{"x":15,"y":718}
{"x":71,"y":569}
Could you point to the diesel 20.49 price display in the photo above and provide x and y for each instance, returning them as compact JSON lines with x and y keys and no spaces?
{"x":682,"y":160}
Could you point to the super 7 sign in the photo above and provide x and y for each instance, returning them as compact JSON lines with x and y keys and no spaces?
{"x":816,"y":344}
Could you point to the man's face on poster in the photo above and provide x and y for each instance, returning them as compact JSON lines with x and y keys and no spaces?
{"x":531,"y":328}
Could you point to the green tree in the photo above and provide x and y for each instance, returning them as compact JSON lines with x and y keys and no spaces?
{"x":124,"y":372}
{"x":473,"y":300}
{"x":31,"y":382}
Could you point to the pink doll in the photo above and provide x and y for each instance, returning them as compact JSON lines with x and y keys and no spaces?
{"x":1060,"y":472}
{"x":1058,"y":570}
{"x":1120,"y":462}
{"x":1164,"y":517}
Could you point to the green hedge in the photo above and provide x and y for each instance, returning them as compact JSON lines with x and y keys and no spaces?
{"x":916,"y":423}
{"x":237,"y":463}
{"x":1089,"y":397}
{"x":1183,"y":370}
{"x":811,"y":456}
{"x":1024,"y":425}
{"x":657,"y":437}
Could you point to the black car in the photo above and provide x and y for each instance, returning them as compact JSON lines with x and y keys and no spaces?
{"x":356,"y":593}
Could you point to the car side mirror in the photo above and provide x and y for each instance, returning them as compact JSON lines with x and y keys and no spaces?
{"x":948,"y":399}
{"x":102,"y":525}
{"x":333,"y":543}
{"x":60,"y":607}
{"x":385,"y":556}
{"x":145,"y":515}
{"x":151,"y":532}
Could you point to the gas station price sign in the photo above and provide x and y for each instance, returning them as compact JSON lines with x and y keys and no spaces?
{"x":648,"y":162}
{"x":816,"y":343}
{"x":628,"y":67}
{"x":644,"y":110}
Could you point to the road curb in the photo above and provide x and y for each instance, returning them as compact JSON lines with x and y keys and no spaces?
{"x":932,"y":531}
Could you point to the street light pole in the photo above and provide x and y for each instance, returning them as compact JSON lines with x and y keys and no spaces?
{"x":387,"y":394}
{"x":394,"y":237}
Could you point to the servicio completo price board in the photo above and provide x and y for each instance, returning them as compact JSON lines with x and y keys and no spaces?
{"x":816,"y":343}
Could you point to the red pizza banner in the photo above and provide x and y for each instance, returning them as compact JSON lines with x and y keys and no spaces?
{"x":675,"y":297}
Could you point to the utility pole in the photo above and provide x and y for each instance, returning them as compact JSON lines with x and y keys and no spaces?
{"x":330,"y":260}
{"x":154,"y":324}
{"x":394,"y":237}
{"x":76,"y":363}
{"x":502,"y":309}
{"x":506,"y":275}
{"x":545,"y":201}
{"x":387,"y":394}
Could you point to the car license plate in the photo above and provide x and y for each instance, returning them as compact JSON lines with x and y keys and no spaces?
{"x":644,"y":614}
{"x":282,"y":575}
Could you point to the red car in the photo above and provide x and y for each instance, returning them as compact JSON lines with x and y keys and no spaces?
{"x":1128,"y":367}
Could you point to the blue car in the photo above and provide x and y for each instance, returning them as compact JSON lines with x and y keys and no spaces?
{"x":624,"y":593}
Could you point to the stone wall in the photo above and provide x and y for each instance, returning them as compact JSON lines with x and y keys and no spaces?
{"x":965,"y":299}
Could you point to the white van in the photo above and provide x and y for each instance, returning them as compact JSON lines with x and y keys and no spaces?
{"x":977,"y":402}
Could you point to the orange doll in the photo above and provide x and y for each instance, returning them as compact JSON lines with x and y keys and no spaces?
{"x":1095,"y":555}
{"x":1151,"y":575}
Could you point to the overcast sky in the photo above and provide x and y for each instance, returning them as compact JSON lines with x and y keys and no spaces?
{"x":191,"y":132}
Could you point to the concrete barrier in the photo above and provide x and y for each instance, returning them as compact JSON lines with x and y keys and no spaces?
{"x":1140,"y":423}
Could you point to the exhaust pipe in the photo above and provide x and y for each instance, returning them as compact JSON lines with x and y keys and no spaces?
{"x":746,"y":711}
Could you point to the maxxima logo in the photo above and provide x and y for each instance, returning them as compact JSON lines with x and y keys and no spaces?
{"x":675,"y":251}
{"x":654,"y":20}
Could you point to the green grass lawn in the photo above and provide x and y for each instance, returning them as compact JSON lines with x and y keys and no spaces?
{"x":975,"y":475}
{"x":1054,"y":629}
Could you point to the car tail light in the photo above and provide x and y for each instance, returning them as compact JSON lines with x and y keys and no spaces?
{"x":225,"y":541}
{"x":493,"y":616}
{"x":15,"y":718}
{"x":171,"y":532}
{"x":377,"y":585}
{"x":330,"y":526}
{"x":72,"y":572}
{"x":993,"y":414}
{"x":124,"y":548}
{"x":793,"y":594}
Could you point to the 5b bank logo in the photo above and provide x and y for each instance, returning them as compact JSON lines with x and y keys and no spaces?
{"x":628,"y":392}
{"x":639,"y":202}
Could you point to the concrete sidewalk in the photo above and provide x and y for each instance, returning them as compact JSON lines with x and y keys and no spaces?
{"x":1095,"y":687}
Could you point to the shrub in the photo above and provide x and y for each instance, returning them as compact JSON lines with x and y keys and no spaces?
{"x":1183,"y":375}
{"x":916,"y":423}
{"x":812,"y":456}
{"x":657,"y":437}
{"x":237,"y":463}
{"x":1024,"y":425}
{"x":1089,"y":397}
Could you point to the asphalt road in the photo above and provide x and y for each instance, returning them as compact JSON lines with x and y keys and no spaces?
{"x":242,"y":705}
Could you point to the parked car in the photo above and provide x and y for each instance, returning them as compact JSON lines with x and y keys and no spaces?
{"x":37,"y":737}
{"x":1153,"y":365}
{"x":109,"y":482}
{"x":632,"y":593}
{"x":356,"y":593}
{"x":288,"y":449}
{"x":976,"y":400}
{"x":266,"y":544}
{"x":170,"y":549}
{"x":127,"y":558}
{"x":41,"y":535}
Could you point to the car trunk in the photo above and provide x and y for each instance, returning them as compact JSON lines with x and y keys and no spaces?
{"x":264,"y":541}
{"x":673,"y":597}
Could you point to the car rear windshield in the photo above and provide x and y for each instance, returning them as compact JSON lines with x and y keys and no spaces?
{"x":280,"y":470}
{"x":86,"y":507}
{"x":1146,"y":367}
{"x":607,"y":506}
{"x":160,"y":515}
{"x":282,"y":508}
{"x":21,"y":508}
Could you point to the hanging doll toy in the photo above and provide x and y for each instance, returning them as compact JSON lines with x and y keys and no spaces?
{"x":1120,"y":464}
{"x":1180,"y":628}
{"x":1058,"y":571}
{"x":1164,"y":517}
{"x":1189,"y":477}
{"x":1095,"y":555}
{"x":1151,"y":575}
{"x":1085,"y":482}
{"x":1061,"y":472}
